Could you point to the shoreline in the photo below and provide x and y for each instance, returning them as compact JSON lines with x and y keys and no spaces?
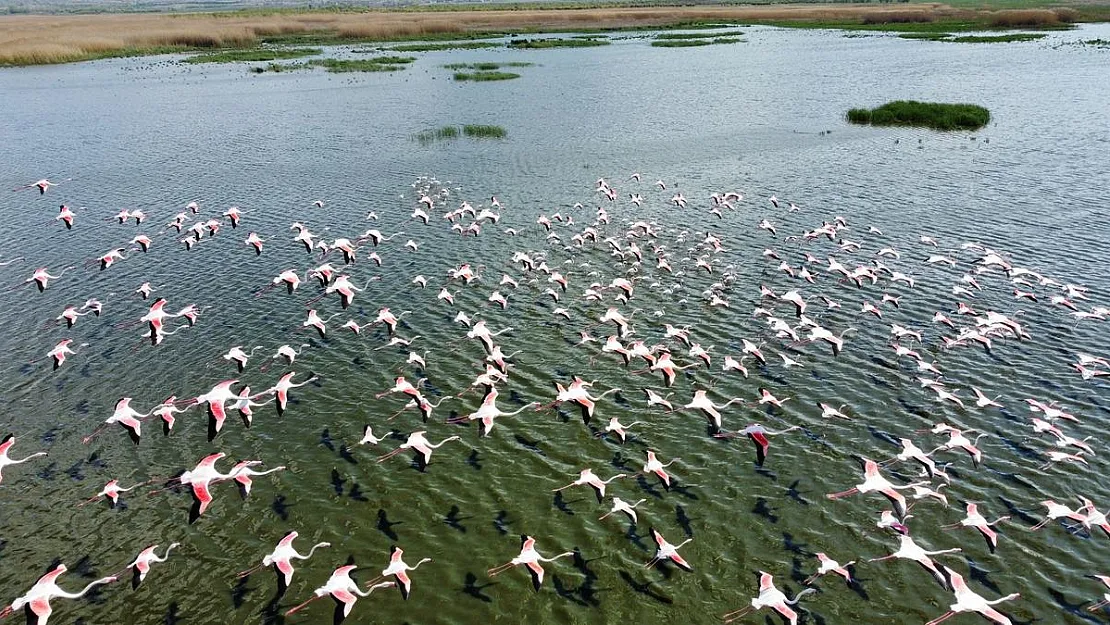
{"x":65,"y":38}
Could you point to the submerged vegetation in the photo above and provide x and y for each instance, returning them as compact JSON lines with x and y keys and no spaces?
{"x":261,"y":54}
{"x":712,"y":35}
{"x":477,"y":131}
{"x":935,"y":115}
{"x":486,"y":66}
{"x":949,"y":37}
{"x":376,"y":64}
{"x":687,"y":43}
{"x":485,"y":76}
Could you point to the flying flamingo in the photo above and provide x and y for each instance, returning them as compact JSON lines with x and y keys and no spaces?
{"x":828,"y":565}
{"x":489,"y":411}
{"x":342,"y":588}
{"x":315,"y":321}
{"x":587,"y":476}
{"x":667,"y":551}
{"x":420,"y":444}
{"x":242,"y":473}
{"x":146,"y":557}
{"x":61,"y":350}
{"x":530,"y":558}
{"x":759,"y":435}
{"x":281,"y":558}
{"x":281,"y":388}
{"x":201,"y":478}
{"x":216,"y":398}
{"x":616,"y":426}
{"x":701,"y":402}
{"x":654,"y":466}
{"x":1058,"y":511}
{"x":620,"y":505}
{"x":5,"y":447}
{"x":240,"y":357}
{"x":976,"y":520}
{"x":909,"y":550}
{"x":256,"y":241}
{"x":399,"y":570}
{"x":66,"y":215}
{"x":46,"y":588}
{"x":875,"y":482}
{"x":770,"y":597}
{"x":968,"y":601}
{"x":41,"y":277}
{"x":111,"y":490}
{"x":1105,"y":596}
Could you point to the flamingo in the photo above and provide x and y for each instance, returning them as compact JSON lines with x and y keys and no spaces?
{"x":342,"y":588}
{"x":216,"y":398}
{"x":875,"y":482}
{"x":909,"y":550}
{"x":759,"y":435}
{"x":41,"y":277}
{"x":61,"y":350}
{"x":530,"y":558}
{"x":587,"y":476}
{"x":976,"y":520}
{"x":399,"y":570}
{"x":653,"y":465}
{"x":240,"y":357}
{"x":201,"y":478}
{"x":420,"y":444}
{"x":620,"y":505}
{"x":282,"y":387}
{"x":770,"y":597}
{"x":666,"y":551}
{"x":968,"y":601}
{"x":828,"y":565}
{"x":46,"y":588}
{"x":111,"y":490}
{"x":5,"y":460}
{"x":146,"y":557}
{"x":1058,"y":511}
{"x":242,"y":473}
{"x":701,"y":402}
{"x":281,"y":558}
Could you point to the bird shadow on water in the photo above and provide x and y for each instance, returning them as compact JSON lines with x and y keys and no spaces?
{"x":345,"y":454}
{"x":453,"y":519}
{"x":171,"y":617}
{"x":325,"y":439}
{"x":683,"y":520}
{"x":763,"y":509}
{"x":561,"y":504}
{"x":239,"y":592}
{"x":500,"y":523}
{"x":471,"y":587}
{"x":645,"y":588}
{"x":280,"y":508}
{"x":385,"y":526}
{"x":1072,"y":608}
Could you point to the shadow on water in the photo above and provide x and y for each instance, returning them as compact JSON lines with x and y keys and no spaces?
{"x":385,"y":526}
{"x":471,"y":587}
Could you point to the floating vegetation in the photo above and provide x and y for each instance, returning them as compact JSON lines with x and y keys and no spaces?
{"x":949,"y":37}
{"x":376,"y":64}
{"x":485,"y":76}
{"x":1098,"y":43}
{"x":450,"y":45}
{"x":532,"y":44}
{"x":485,"y":67}
{"x":443,"y":133}
{"x":935,"y":115}
{"x":997,"y":38}
{"x":482,"y":131}
{"x":713,"y":35}
{"x":687,"y":43}
{"x":280,"y":67}
{"x":258,"y":54}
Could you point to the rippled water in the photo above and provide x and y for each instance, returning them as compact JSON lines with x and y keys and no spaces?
{"x":763,"y":117}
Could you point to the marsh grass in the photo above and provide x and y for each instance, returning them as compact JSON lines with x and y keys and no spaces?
{"x":277,"y":68}
{"x":997,"y":38}
{"x":376,"y":64}
{"x":485,"y":76}
{"x":539,"y":44}
{"x":445,"y":133}
{"x":714,"y":35}
{"x":260,"y":54}
{"x":485,"y":67}
{"x":1098,"y":43}
{"x":926,"y":36}
{"x":42,"y":39}
{"x":935,"y":115}
{"x":690,"y":43}
{"x":451,"y":45}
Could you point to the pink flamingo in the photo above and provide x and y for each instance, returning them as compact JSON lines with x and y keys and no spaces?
{"x":46,"y":588}
{"x":968,"y":601}
{"x":666,"y":551}
{"x":530,"y":558}
{"x":770,"y":597}
{"x":5,"y":460}
{"x":281,"y":558}
{"x":342,"y":588}
{"x":399,"y":570}
{"x":875,"y":482}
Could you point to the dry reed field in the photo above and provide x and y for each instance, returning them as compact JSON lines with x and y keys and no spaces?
{"x":42,"y":39}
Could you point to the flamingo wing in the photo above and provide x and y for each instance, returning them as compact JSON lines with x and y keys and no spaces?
{"x":537,"y":570}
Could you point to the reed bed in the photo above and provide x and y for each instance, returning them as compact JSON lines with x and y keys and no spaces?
{"x":543,"y":44}
{"x":376,"y":64}
{"x":257,"y":54}
{"x":443,"y":133}
{"x":484,"y":76}
{"x":39,"y":39}
{"x":450,"y":45}
{"x":935,"y":115}
{"x":690,"y":43}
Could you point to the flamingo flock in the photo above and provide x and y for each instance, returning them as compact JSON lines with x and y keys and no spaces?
{"x":696,"y":338}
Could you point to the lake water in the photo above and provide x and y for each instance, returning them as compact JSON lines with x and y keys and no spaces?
{"x":761,"y":117}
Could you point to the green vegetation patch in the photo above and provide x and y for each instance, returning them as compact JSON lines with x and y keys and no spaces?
{"x":535,"y":44}
{"x":997,"y":38}
{"x":1098,"y":43}
{"x":477,"y":131}
{"x":376,"y":64}
{"x":730,"y":33}
{"x":935,"y":115}
{"x":485,"y":76}
{"x":484,"y":66}
{"x":451,"y":45}
{"x":280,"y":67}
{"x":257,"y":54}
{"x":689,"y":43}
{"x":927,"y":36}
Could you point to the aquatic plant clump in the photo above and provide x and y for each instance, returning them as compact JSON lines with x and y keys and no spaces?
{"x":450,"y":45}
{"x":935,"y":115}
{"x":689,"y":43}
{"x":536,"y":44}
{"x":477,"y":131}
{"x":376,"y":64}
{"x":259,"y":54}
{"x":484,"y":66}
{"x":710,"y":35}
{"x":484,"y":76}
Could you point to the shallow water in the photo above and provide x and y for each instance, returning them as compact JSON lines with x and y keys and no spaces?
{"x":761,"y":117}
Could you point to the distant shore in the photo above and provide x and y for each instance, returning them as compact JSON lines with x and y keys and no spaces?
{"x":45,"y":39}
